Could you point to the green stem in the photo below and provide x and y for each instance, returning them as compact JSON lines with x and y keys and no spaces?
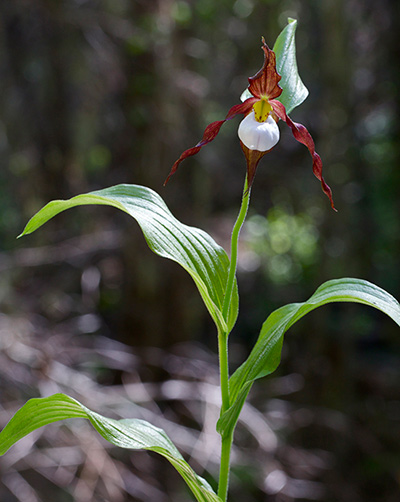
{"x":226,"y":441}
{"x":223,"y":484}
{"x":234,"y":250}
{"x":224,"y":369}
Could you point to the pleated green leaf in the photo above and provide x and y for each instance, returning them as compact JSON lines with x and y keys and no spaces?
{"x":266,"y":354}
{"x":191,"y":247}
{"x":128,"y":433}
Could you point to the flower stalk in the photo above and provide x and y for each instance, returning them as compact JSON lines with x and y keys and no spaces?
{"x":226,"y":446}
{"x":234,"y":248}
{"x":226,"y":440}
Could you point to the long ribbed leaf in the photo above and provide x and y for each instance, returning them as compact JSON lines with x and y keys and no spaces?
{"x":266,"y":353}
{"x":191,"y":247}
{"x":128,"y":433}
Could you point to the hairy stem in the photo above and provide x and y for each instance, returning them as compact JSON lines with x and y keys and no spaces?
{"x":226,"y":440}
{"x":223,"y":484}
{"x":224,"y":369}
{"x":234,"y":250}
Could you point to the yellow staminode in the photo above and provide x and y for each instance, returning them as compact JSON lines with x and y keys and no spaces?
{"x":262,"y":109}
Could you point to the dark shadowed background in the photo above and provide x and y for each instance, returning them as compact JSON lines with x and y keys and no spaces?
{"x":101,"y":92}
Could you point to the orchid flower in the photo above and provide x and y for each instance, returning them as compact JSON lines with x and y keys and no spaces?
{"x":258,"y":132}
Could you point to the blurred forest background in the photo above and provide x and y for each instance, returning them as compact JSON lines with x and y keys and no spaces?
{"x":101,"y":92}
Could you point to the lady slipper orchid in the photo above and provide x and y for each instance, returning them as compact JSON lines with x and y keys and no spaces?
{"x":258,"y":132}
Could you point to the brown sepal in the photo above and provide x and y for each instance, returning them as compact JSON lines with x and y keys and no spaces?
{"x":253,"y":157}
{"x":264,"y":84}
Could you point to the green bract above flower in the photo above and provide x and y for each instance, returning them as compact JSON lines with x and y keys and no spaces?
{"x":258,"y":131}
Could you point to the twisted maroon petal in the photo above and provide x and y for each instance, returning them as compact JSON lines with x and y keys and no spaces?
{"x":211,"y":132}
{"x":303,"y":136}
